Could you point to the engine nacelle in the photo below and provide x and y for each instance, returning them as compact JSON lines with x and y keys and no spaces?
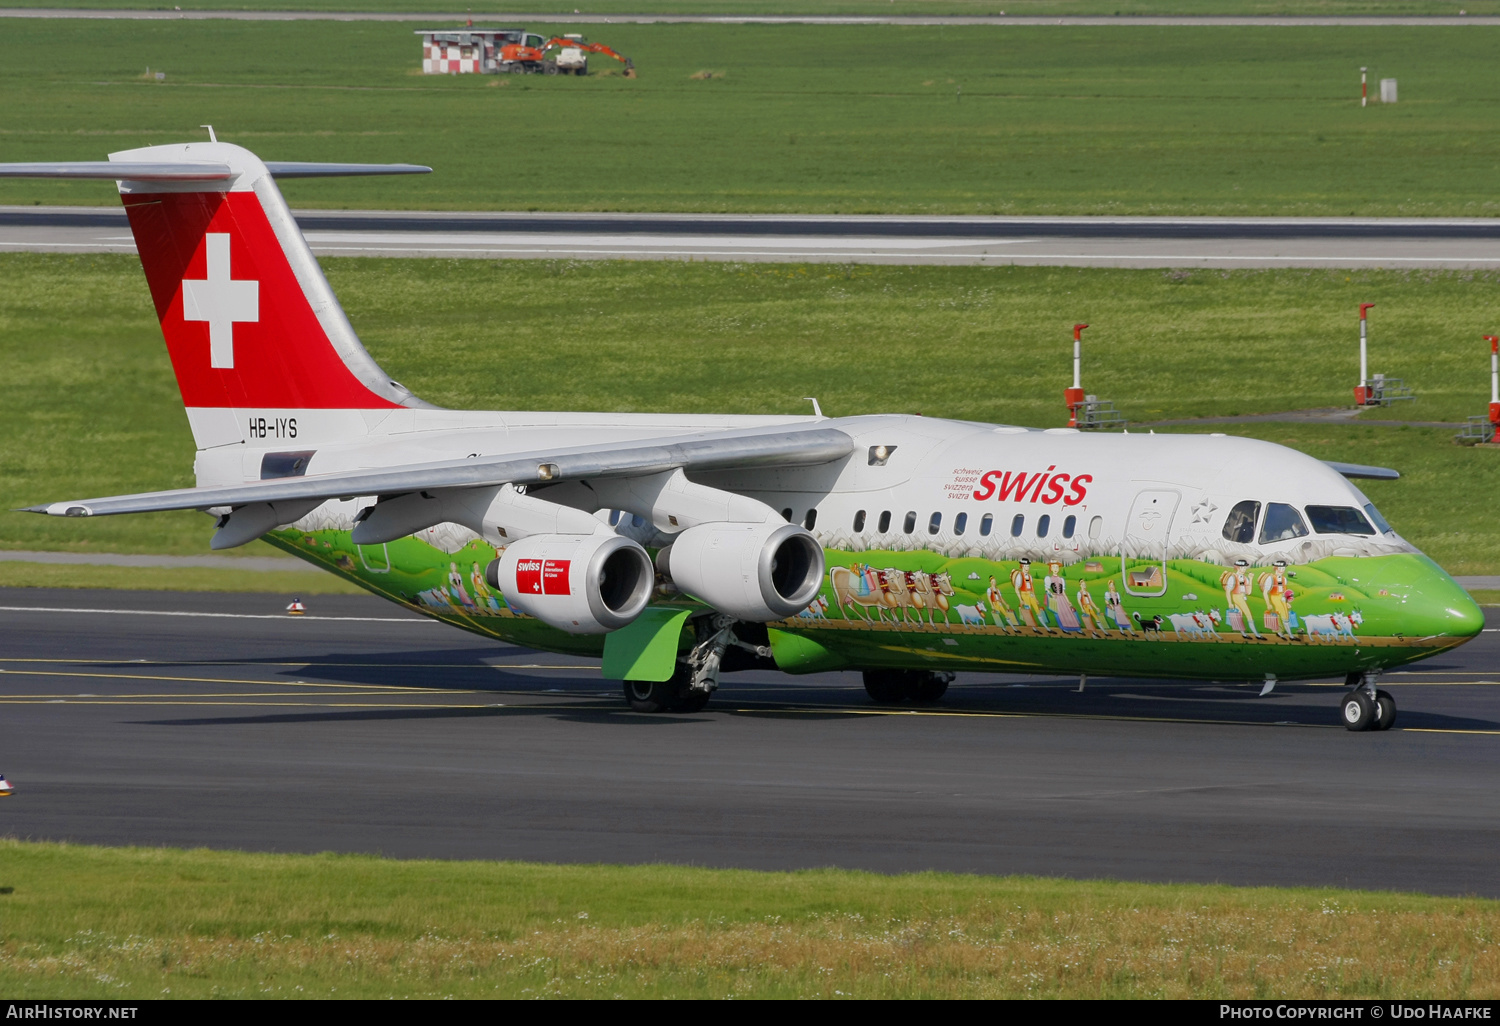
{"x":754,"y":572}
{"x":579,"y":583}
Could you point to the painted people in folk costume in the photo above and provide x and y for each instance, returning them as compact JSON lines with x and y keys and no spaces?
{"x":1057,"y":597}
{"x":1278,"y":596}
{"x":1114,"y":608}
{"x":483,"y":597}
{"x":1000,"y":609}
{"x":1088,"y":611}
{"x":1030,"y":606}
{"x":1238,"y":583}
{"x":461,"y":597}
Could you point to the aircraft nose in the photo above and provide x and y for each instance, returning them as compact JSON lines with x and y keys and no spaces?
{"x":1450,"y":609}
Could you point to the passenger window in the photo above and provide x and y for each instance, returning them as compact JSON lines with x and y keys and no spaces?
{"x":885,"y":522}
{"x":911,"y":521}
{"x":1338,"y":520}
{"x":1239,"y":526}
{"x":786,"y":514}
{"x":811,"y":520}
{"x":986,"y":524}
{"x":1069,"y":525}
{"x":1043,"y":525}
{"x":960,"y":523}
{"x":859,"y":521}
{"x":1378,"y":520}
{"x":1282,"y":522}
{"x":934,"y":523}
{"x":1095,"y":526}
{"x":1017,"y":526}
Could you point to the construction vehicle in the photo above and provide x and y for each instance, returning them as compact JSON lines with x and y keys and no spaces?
{"x":531,"y":54}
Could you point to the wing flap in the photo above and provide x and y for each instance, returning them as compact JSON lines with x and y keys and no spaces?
{"x":720,"y":451}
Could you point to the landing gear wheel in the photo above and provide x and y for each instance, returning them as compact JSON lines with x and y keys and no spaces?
{"x":1358,"y":712}
{"x":1385,"y":715}
{"x":650,"y":696}
{"x":886,"y":687}
{"x":905,"y":687}
{"x":929,"y":687}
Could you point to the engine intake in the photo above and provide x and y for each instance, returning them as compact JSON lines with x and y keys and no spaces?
{"x":579,"y":583}
{"x":755,"y":572}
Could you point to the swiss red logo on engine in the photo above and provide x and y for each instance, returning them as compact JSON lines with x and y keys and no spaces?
{"x":543,"y":576}
{"x":555,"y":577}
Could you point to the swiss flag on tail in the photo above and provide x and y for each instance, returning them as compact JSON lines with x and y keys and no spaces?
{"x":262,"y":351}
{"x":238,"y":326}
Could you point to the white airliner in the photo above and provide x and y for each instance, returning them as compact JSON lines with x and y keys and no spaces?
{"x":679,"y":547}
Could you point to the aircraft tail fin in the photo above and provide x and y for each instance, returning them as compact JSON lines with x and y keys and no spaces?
{"x":261,"y":348}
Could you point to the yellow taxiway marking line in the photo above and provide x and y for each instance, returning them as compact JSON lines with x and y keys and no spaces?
{"x":313,"y":665}
{"x":227,"y":680}
{"x":286,"y":705}
{"x":225,"y":694}
{"x":1444,"y":730}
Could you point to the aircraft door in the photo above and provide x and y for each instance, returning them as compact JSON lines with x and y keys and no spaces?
{"x":1143,"y":552}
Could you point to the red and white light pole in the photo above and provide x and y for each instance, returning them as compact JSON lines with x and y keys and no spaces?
{"x":1362,"y":390}
{"x":1074,"y":396}
{"x":1494,"y":342}
{"x":1364,"y":88}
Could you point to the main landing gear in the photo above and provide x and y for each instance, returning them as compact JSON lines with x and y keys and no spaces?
{"x":1365,"y":707}
{"x":697,"y":675}
{"x":906,"y":687}
{"x":659,"y":696}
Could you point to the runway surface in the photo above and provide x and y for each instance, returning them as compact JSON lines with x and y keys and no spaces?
{"x":1462,"y":243}
{"x":169,"y":719}
{"x":556,"y":18}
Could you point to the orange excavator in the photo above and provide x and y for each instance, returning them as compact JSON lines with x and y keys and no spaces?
{"x":530,"y":55}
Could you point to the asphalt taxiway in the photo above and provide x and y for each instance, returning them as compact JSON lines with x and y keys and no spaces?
{"x":217,"y":720}
{"x":1457,"y":243}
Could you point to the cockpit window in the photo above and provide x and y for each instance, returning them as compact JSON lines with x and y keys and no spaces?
{"x":1338,"y":520}
{"x":1378,"y":520}
{"x":1282,"y":522}
{"x":1239,"y":526}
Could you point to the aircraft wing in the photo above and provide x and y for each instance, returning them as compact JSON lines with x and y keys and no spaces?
{"x":1361,"y":470}
{"x":721,"y":450}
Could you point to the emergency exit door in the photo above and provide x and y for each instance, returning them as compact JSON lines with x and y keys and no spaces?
{"x":1148,"y":533}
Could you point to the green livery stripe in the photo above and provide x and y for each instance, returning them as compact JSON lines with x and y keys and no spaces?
{"x":1097,"y":614}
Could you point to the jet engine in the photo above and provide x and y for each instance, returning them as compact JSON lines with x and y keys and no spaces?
{"x":579,"y":583}
{"x":755,"y":572}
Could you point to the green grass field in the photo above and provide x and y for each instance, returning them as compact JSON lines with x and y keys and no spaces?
{"x":138,"y":923}
{"x":99,"y":412}
{"x":1052,"y":120}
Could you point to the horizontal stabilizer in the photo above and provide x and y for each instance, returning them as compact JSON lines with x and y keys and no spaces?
{"x":758,"y":447}
{"x":109,"y":170}
{"x":196,"y":171}
{"x":302,"y":169}
{"x":1360,"y":470}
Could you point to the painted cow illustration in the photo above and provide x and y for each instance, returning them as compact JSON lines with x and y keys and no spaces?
{"x":972,"y":616}
{"x":1332,"y":626}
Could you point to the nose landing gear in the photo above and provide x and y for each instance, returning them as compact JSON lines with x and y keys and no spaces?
{"x":1365,"y":707}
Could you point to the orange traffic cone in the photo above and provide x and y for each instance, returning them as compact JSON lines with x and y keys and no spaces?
{"x":296,"y":608}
